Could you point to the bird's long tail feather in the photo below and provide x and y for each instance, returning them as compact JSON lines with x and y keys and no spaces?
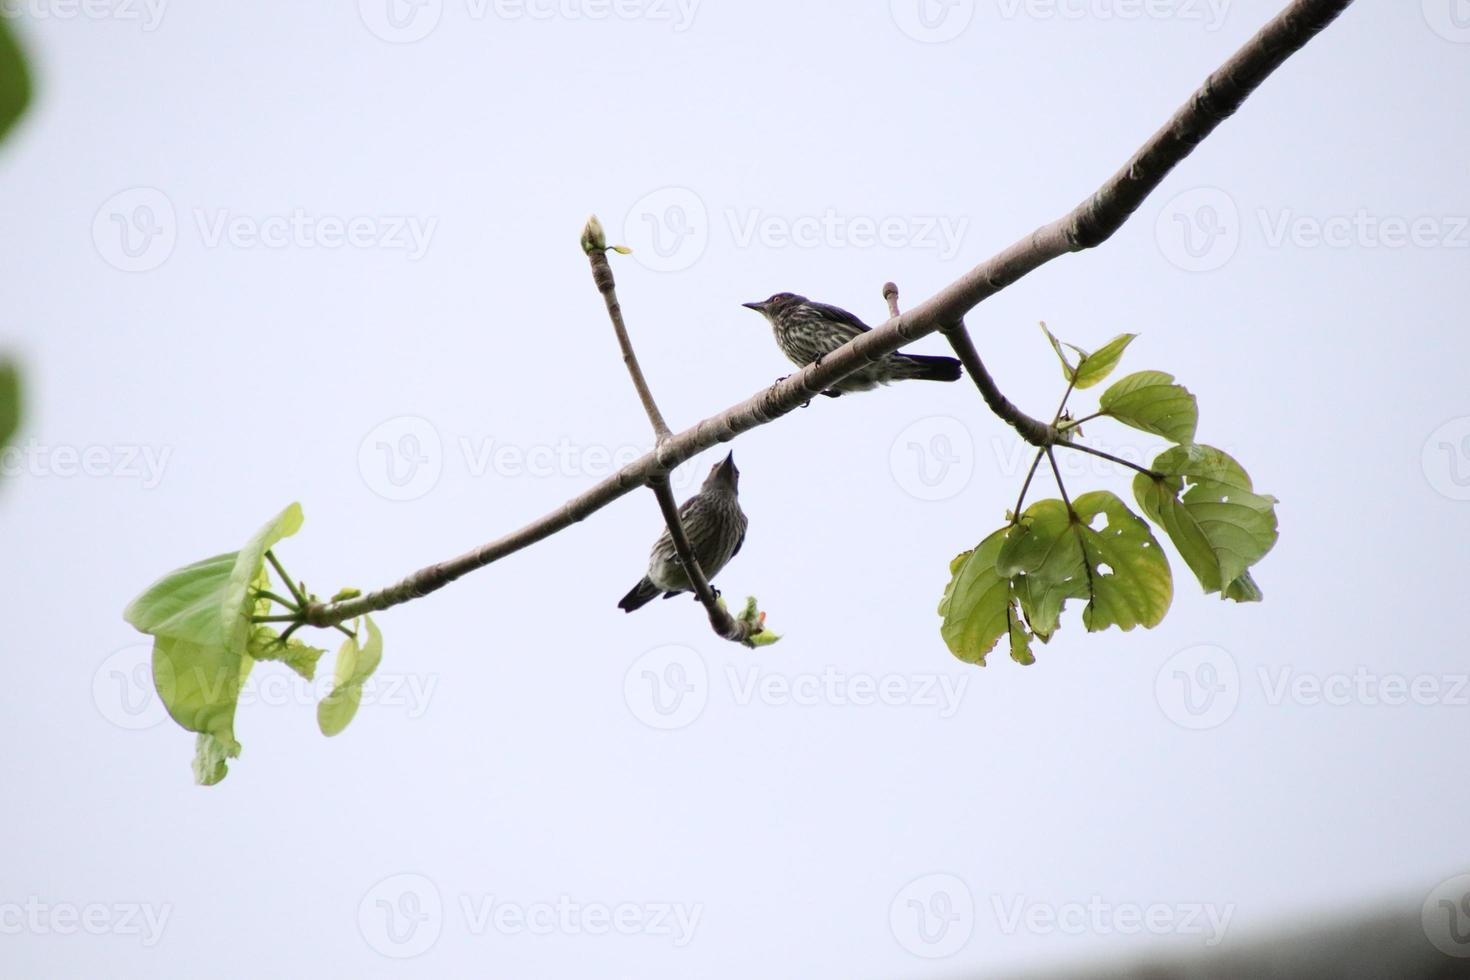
{"x":929,"y":368}
{"x":642,"y":594}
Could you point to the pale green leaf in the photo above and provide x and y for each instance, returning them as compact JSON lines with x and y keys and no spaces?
{"x":1067,"y":370}
{"x":206,"y":602}
{"x":265,"y":644}
{"x":355,"y":664}
{"x":200,"y":619}
{"x":1099,"y":364}
{"x":1207,"y":505}
{"x":211,"y":759}
{"x":1151,"y":401}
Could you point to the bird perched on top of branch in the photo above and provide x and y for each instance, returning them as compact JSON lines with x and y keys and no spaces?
{"x":807,"y":332}
{"x":715,"y":526}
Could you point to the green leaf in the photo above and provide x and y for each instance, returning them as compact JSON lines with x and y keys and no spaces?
{"x":265,"y":644}
{"x":1118,"y":568}
{"x":622,"y":250}
{"x":15,"y":79}
{"x":979,"y":608}
{"x":1100,"y":363}
{"x":211,"y":759}
{"x":1220,"y":525}
{"x":1149,"y":400}
{"x":9,"y":401}
{"x":206,"y":602}
{"x":755,"y":622}
{"x":974,"y":602}
{"x":199,"y":618}
{"x":1067,"y":370}
{"x":355,"y":664}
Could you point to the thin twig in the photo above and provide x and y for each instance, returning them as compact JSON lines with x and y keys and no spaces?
{"x":720,"y":619}
{"x":595,"y":244}
{"x":1034,"y":431}
{"x":1089,"y":224}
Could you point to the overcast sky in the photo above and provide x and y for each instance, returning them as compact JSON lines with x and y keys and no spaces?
{"x":327,"y":253}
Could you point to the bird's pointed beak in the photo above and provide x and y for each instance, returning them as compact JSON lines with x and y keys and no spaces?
{"x":758,"y":307}
{"x":727,"y":468}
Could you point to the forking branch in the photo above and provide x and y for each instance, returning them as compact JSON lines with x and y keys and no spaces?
{"x":594,"y":243}
{"x":1087,"y":225}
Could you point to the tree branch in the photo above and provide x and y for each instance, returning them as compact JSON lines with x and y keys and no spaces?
{"x":1089,"y":224}
{"x":594,"y":243}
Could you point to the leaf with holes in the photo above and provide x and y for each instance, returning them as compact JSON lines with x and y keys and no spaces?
{"x":1207,"y":505}
{"x":1151,"y":401}
{"x":1118,"y":568}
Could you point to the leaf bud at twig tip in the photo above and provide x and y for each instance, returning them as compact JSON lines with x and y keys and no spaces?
{"x":594,"y":239}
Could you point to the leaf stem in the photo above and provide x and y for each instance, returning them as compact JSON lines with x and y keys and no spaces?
{"x":1111,"y":458}
{"x":270,"y":556}
{"x":1030,"y":475}
{"x":1065,"y":426}
{"x":1061,"y":487}
{"x":263,"y":594}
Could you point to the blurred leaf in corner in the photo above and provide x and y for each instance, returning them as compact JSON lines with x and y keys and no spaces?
{"x":9,"y":400}
{"x":15,"y":80}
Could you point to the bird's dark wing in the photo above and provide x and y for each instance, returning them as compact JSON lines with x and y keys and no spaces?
{"x":840,"y":315}
{"x":738,"y":545}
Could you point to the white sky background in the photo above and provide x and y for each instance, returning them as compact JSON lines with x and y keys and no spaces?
{"x":508,"y":763}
